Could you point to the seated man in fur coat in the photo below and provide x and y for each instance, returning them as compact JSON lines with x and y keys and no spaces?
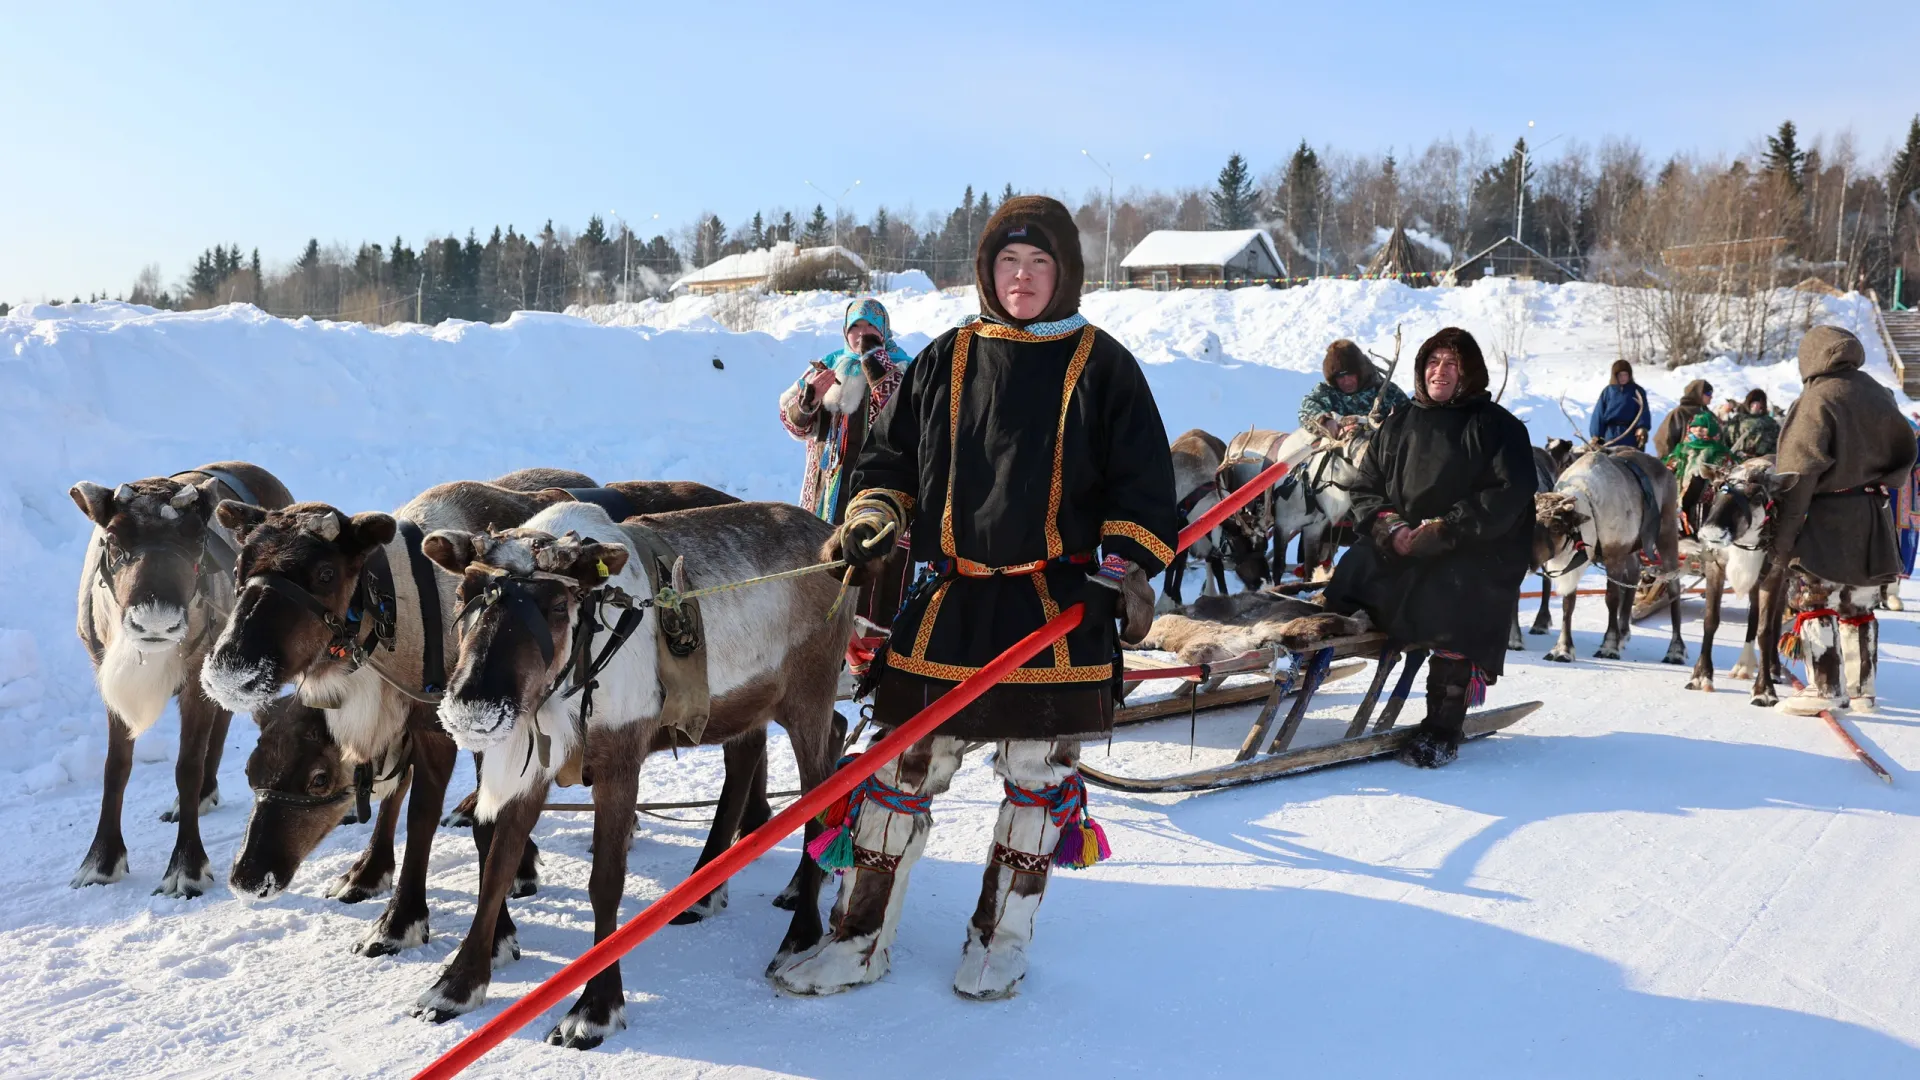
{"x":1444,"y":509}
{"x":1026,"y":452}
{"x":1339,"y":405}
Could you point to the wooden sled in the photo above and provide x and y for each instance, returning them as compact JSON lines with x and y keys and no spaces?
{"x":1267,"y":754}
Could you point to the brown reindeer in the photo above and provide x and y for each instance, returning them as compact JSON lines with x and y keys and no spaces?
{"x":334,"y":604}
{"x":1196,"y":468}
{"x":1736,"y":537}
{"x":154,"y":588}
{"x":774,"y":652}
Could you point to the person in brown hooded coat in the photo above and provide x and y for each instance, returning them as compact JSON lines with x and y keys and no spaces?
{"x":1673,"y":430}
{"x":1352,"y":386}
{"x":1018,"y":444}
{"x":1843,"y":450}
{"x":1444,"y":511}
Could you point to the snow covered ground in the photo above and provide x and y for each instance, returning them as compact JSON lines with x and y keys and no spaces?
{"x":1635,"y":881}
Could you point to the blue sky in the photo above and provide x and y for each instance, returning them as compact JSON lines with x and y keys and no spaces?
{"x":141,"y":134}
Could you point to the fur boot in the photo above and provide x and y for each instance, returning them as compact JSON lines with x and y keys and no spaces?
{"x":1436,"y":741}
{"x":995,"y":958}
{"x":866,"y":914}
{"x":1859,"y":647}
{"x":1826,"y":687}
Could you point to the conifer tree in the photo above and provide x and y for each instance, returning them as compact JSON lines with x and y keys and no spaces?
{"x":1784,"y":156}
{"x":817,"y":225}
{"x":757,"y":235}
{"x":1233,"y":202}
{"x":1903,"y":175}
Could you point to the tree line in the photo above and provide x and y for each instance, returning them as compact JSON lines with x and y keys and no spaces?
{"x":1812,"y":208}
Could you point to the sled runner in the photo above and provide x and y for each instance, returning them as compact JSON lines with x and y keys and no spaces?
{"x":1267,"y":753}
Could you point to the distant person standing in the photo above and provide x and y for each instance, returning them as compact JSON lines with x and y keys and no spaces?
{"x":1621,"y":416}
{"x":1849,"y":448}
{"x":1352,"y":385}
{"x":834,"y":403}
{"x":1697,"y":396}
{"x":1755,"y":433}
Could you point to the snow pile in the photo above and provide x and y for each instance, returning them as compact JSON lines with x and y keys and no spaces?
{"x":1636,"y":881}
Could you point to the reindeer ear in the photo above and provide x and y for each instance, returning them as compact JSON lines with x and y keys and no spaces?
{"x":368,"y":531}
{"x":552,"y":495}
{"x":602,"y":560}
{"x":239,"y":517}
{"x":93,"y":500}
{"x":1783,"y":482}
{"x":451,"y":549}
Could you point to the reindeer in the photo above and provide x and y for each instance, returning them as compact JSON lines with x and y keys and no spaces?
{"x":342,"y":606}
{"x":1548,"y":463}
{"x":1736,"y":537}
{"x":1318,"y":498}
{"x":154,"y":588}
{"x":1196,"y":469}
{"x":1597,"y":513}
{"x":774,"y":653}
{"x":1250,"y":453}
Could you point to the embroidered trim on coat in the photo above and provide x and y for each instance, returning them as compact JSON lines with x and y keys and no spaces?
{"x":1074,"y":367}
{"x":1139,"y":535}
{"x":1028,"y":676}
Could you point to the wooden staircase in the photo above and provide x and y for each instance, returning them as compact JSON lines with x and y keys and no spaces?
{"x":1903,"y":346}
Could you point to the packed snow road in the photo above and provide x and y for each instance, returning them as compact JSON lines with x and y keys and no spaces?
{"x":1635,"y":881}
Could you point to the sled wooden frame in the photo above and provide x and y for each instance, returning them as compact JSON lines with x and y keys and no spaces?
{"x":1268,"y":754}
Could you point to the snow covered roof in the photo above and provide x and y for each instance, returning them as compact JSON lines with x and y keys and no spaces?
{"x":1173,"y":247}
{"x":760,"y":263}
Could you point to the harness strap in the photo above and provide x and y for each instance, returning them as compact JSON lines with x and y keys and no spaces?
{"x":612,"y":500}
{"x":433,"y":664}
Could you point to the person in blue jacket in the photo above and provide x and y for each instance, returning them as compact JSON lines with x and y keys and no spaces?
{"x":1620,"y":416}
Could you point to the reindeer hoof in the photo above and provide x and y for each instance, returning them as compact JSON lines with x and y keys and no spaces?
{"x":1698,"y":683}
{"x":524,"y":886}
{"x":382,"y":942}
{"x":99,"y":870}
{"x":442,"y":1002}
{"x":579,"y":1031}
{"x":1561,"y":656}
{"x":1764,"y":701}
{"x":1540,"y":631}
{"x":1675,"y":657}
{"x":1604,"y":653}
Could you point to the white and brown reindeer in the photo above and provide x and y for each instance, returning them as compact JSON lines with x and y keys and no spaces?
{"x":774,"y":652}
{"x":1266,"y":519}
{"x":1736,"y":537}
{"x":1548,"y":463}
{"x":1196,"y":474}
{"x":348,"y":610}
{"x":1598,"y":514}
{"x":154,"y":589}
{"x":1318,"y":498}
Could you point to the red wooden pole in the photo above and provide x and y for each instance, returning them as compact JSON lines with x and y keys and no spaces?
{"x":758,"y":842}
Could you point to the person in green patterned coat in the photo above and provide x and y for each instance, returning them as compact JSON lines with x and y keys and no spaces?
{"x":1754,"y":432}
{"x":1352,"y":384}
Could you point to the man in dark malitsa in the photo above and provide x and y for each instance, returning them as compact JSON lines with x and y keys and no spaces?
{"x":1847,"y":449}
{"x":1621,"y":417}
{"x":1025,"y":450}
{"x":1754,"y":432}
{"x":1444,"y":513}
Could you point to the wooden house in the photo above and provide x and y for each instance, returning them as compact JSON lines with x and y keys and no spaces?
{"x":1224,"y":259}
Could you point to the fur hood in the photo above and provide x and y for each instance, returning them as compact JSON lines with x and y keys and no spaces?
{"x":1046,"y":224}
{"x":1344,"y":358}
{"x":1695,"y":395}
{"x":1473,"y":368}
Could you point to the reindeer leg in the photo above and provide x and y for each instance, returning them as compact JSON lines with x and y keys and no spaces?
{"x":743,"y":755}
{"x":462,"y":986}
{"x":1514,"y":643}
{"x":403,"y":925}
{"x":1543,"y":620}
{"x":210,"y":773}
{"x":189,"y":873}
{"x":372,"y":873}
{"x":1562,"y":652}
{"x":1748,"y":663}
{"x":461,"y":816}
{"x":106,"y":859}
{"x":1773,"y":601}
{"x":602,"y":1007}
{"x":1709,"y":625}
{"x":1677,"y":648}
{"x":1610,"y":641}
{"x":1218,"y":565}
{"x":814,"y":753}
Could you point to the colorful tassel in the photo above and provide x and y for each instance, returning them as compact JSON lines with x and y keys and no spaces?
{"x":1791,"y":646}
{"x":1083,"y":843}
{"x":833,"y":849}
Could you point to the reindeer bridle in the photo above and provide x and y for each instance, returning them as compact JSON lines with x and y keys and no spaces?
{"x":361,"y":790}
{"x":583,"y":667}
{"x":369,"y":606}
{"x":1738,"y":490}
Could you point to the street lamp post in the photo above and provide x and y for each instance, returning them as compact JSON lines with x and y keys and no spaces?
{"x":836,"y":205}
{"x":1520,"y":184}
{"x":1107,"y":262}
